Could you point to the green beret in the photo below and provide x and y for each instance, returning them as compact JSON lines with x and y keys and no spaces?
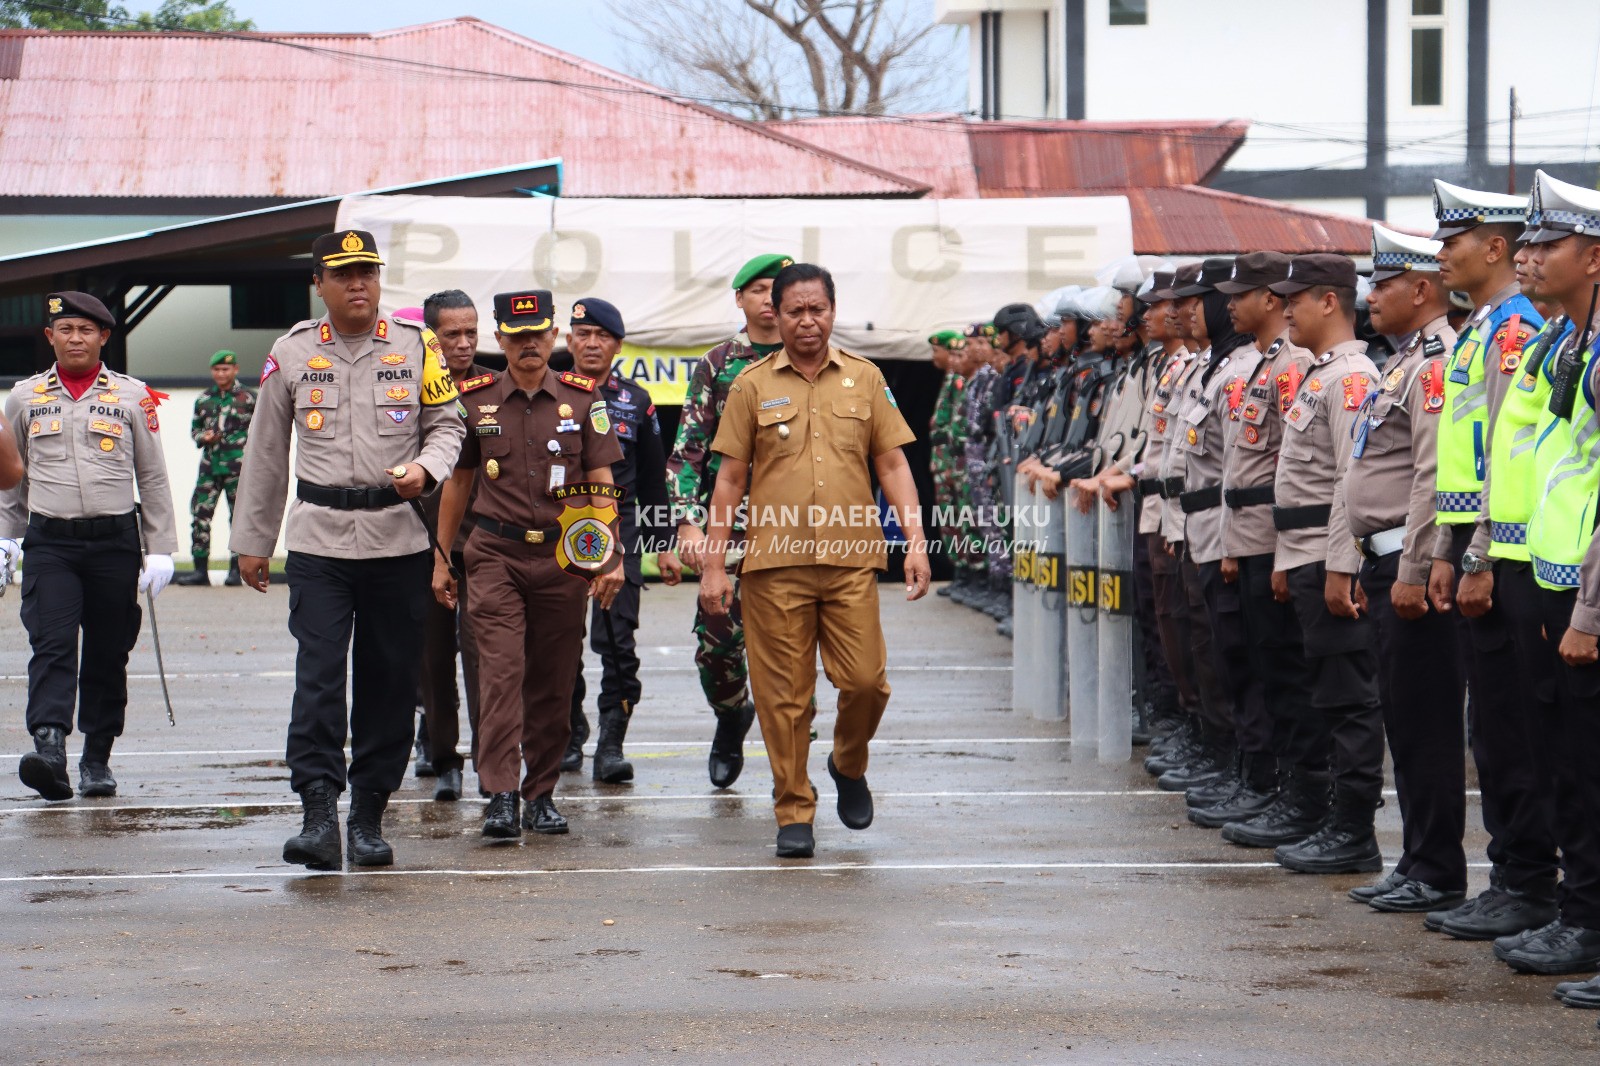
{"x":981,"y":329}
{"x":948,"y":338}
{"x":762,"y":266}
{"x":224,"y":358}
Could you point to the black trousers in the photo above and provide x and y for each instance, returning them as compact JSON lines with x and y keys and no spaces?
{"x":1516,"y":807}
{"x":1157,"y":684}
{"x":1230,"y":643}
{"x":1216,"y":702}
{"x":1423,"y":690}
{"x":619,"y":660}
{"x":1342,"y":658}
{"x":1578,"y":825}
{"x":1277,"y":656}
{"x":447,"y":633}
{"x":1172,"y":622}
{"x":1518,"y":595}
{"x":382,"y":605}
{"x":71,"y":586}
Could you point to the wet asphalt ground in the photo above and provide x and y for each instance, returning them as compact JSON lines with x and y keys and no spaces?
{"x":1009,"y":905}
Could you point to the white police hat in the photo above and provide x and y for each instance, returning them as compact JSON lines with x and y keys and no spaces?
{"x":1560,"y":209}
{"x":1459,"y":210}
{"x":1395,"y":253}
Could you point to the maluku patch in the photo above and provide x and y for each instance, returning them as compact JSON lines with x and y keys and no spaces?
{"x":599,"y":419}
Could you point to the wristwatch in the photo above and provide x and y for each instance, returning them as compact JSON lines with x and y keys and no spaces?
{"x":1473,"y":563}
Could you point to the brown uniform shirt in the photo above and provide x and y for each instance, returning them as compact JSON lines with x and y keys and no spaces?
{"x":1391,"y":483}
{"x":1316,"y":450}
{"x":810,"y":446}
{"x":526,"y":445}
{"x":354,"y":409}
{"x":83,"y":458}
{"x":1269,"y":381}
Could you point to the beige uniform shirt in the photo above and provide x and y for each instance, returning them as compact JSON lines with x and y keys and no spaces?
{"x":810,"y":446}
{"x":1152,"y":428}
{"x":1121,"y":428}
{"x":1174,"y":461}
{"x":354,"y":408}
{"x":1267,"y":382}
{"x":1391,"y":482}
{"x":1317,"y":440}
{"x":1202,"y":423}
{"x":84,"y":458}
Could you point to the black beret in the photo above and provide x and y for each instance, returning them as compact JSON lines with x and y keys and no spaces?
{"x":597,"y":312}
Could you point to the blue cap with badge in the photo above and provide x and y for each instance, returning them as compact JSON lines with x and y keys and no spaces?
{"x":593,"y":311}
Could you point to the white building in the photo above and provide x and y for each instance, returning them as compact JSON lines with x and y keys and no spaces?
{"x":1355,"y":104}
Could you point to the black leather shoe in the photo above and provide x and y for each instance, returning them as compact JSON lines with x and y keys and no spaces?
{"x":1387,"y":883}
{"x":448,"y":788}
{"x":572,"y":758}
{"x":796,"y":842}
{"x":727,"y":745}
{"x":541,"y":816}
{"x":1434,"y":920}
{"x":94,"y":779}
{"x":45,"y":768}
{"x":855,"y":798}
{"x":1516,"y":940}
{"x":500,"y":820}
{"x":1415,"y":897}
{"x":1507,"y":914}
{"x":424,"y":766}
{"x":364,"y":829}
{"x":1339,"y":848}
{"x":200,"y":575}
{"x":233,"y":580}
{"x":1582,"y":994}
{"x":317,"y":846}
{"x":1556,"y":949}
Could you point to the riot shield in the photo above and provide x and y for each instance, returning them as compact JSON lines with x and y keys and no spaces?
{"x":1115,"y":635}
{"x":1050,"y":646}
{"x":1083,"y":682}
{"x":1025,"y":664}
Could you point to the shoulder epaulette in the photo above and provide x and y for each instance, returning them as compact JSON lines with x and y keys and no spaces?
{"x":300,"y":327}
{"x":1275,"y":347}
{"x":1434,"y":345}
{"x":578,"y":381}
{"x":481,"y":381}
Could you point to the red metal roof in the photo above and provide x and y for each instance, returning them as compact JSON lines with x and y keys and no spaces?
{"x":1038,"y":158}
{"x":932,"y":149}
{"x":308,"y":115}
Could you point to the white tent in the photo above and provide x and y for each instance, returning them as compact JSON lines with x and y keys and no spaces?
{"x":904,"y":268}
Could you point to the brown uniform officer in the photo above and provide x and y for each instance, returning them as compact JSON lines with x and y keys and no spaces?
{"x":530,"y":431}
{"x":371,"y":407}
{"x":802,"y":426}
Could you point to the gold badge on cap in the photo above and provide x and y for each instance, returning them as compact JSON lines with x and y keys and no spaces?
{"x":352,"y":242}
{"x":55,"y":305}
{"x":579,"y":311}
{"x":492,"y":468}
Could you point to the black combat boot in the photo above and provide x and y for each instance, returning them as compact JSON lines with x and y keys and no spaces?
{"x":365,"y":830}
{"x":573,"y":758}
{"x":1346,"y":844}
{"x":317,"y":846}
{"x":1298,"y":811}
{"x":609,"y":765}
{"x":1213,"y":793}
{"x":961,"y":587}
{"x":233,"y":580}
{"x":1174,"y":749}
{"x":200,"y":575}
{"x":45,"y":769}
{"x":541,"y":816}
{"x":1255,"y":792}
{"x":1209,"y":765}
{"x":502,"y":820}
{"x":94,"y":766}
{"x":998,"y":603}
{"x":727,"y":745}
{"x":1506,"y":913}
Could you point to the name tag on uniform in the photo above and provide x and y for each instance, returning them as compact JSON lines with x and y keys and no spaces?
{"x":781,"y":401}
{"x":487,"y":431}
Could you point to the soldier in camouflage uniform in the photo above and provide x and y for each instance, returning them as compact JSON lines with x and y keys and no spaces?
{"x":977,"y":408}
{"x":946,"y":434}
{"x":221,"y":423}
{"x":691,"y":475}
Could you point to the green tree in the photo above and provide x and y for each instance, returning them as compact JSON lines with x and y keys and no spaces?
{"x":216,"y":15}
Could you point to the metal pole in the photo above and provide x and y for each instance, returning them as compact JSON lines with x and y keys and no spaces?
{"x":1511,"y":146}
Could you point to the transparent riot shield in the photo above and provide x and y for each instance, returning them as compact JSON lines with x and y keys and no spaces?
{"x":1115,"y":631}
{"x":1050,"y":621}
{"x":1025,"y":663}
{"x":1082,"y":621}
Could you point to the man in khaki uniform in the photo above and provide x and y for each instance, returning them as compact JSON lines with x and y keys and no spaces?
{"x":802,"y":427}
{"x":1312,"y":567}
{"x":372,"y":407}
{"x":87,"y":437}
{"x":1389,"y":509}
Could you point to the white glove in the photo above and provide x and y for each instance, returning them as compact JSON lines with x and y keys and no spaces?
{"x":156,"y":573}
{"x":10,"y":552}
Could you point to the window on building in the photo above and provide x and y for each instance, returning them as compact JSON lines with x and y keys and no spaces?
{"x":269,"y":304}
{"x":1135,"y":12}
{"x":1427,"y":53}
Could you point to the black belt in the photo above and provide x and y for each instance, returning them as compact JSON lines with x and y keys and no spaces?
{"x":1251,"y":497}
{"x":83,"y":528}
{"x":356,"y":499}
{"x":546,"y":535}
{"x":1200,"y":499}
{"x":1310,"y":517}
{"x":1149,"y":486}
{"x":1171,"y":487}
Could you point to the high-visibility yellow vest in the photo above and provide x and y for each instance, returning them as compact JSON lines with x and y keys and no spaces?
{"x":1514,"y":490}
{"x":1566,"y":458}
{"x":1464,"y":430}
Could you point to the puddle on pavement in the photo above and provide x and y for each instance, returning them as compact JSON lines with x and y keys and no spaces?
{"x":254,"y":764}
{"x":1431,"y":995}
{"x":118,"y":823}
{"x":608,"y":953}
{"x":1340,"y":971}
{"x":759,"y":976}
{"x":60,"y":895}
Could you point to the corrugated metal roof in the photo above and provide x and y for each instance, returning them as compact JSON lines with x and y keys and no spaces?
{"x":1030,"y":157}
{"x":306,"y":115}
{"x":932,"y":149}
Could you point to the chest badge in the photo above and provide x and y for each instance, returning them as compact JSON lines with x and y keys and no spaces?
{"x":488,"y":408}
{"x":1392,"y":382}
{"x":398,"y":393}
{"x":848,"y":383}
{"x":783,"y":431}
{"x":564,"y":411}
{"x":492,"y":468}
{"x":553,"y":446}
{"x":1315,"y":385}
{"x":319,"y":362}
{"x":315,"y":421}
{"x":392,"y":359}
{"x":106,"y":444}
{"x":316,"y":395}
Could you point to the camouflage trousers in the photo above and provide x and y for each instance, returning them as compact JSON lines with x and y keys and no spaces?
{"x":980,"y":499}
{"x":208,"y":492}
{"x":719,"y":654}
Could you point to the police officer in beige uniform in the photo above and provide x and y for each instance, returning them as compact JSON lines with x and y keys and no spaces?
{"x":372,"y":407}
{"x":1389,"y":509}
{"x":88,"y":438}
{"x":1312,"y":566}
